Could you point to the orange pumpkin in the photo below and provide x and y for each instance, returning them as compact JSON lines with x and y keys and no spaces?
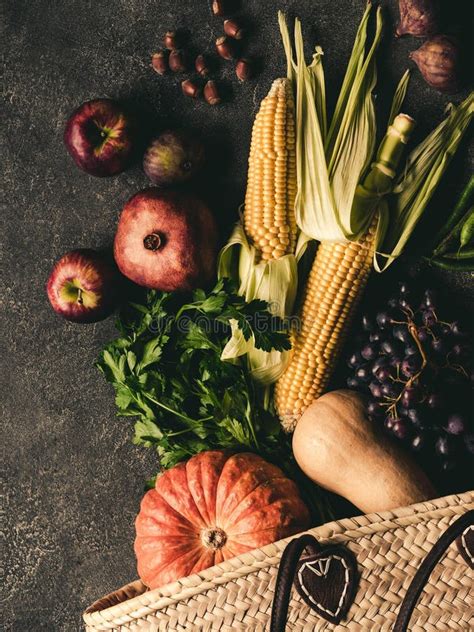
{"x":213,"y":507}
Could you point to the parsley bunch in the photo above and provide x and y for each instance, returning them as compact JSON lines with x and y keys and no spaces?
{"x":167,"y":372}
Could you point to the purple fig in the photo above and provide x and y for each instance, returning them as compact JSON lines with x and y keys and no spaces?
{"x":438,"y":62}
{"x":418,"y":18}
{"x":173,"y":157}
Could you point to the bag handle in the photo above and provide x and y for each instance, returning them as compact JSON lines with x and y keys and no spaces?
{"x":284,"y":580}
{"x":427,"y":566}
{"x":295,"y":548}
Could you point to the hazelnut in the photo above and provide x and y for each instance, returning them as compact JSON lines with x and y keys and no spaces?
{"x":233,"y":29}
{"x":244,"y":69}
{"x":177,"y":60}
{"x":225,"y":47}
{"x":201,"y":65}
{"x":170,"y":40}
{"x":159,"y":62}
{"x":221,"y":7}
{"x":190,"y":89}
{"x":211,"y":93}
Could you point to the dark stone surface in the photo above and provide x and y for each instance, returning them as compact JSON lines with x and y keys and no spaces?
{"x":74,"y":480}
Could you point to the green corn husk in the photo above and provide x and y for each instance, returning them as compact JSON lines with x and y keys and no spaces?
{"x":330,"y":165}
{"x":417,"y":184}
{"x":274,"y":281}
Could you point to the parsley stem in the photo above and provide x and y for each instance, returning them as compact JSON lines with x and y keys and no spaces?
{"x":177,"y":433}
{"x":175,"y":412}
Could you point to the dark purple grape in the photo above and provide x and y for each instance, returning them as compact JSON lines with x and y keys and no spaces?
{"x":404,"y":303}
{"x":391,"y":390}
{"x":352,"y":383}
{"x":367,"y":324}
{"x":445,"y":329}
{"x":383,"y":374}
{"x":400,"y":332}
{"x":461,"y":352}
{"x":374,"y":409}
{"x":410,"y":396}
{"x":393,"y":302}
{"x":443,"y":446}
{"x":410,"y":366}
{"x":400,"y":429}
{"x":363,"y":373}
{"x":355,"y":360}
{"x":438,"y":345}
{"x":378,"y":364}
{"x":396,"y":361}
{"x":369,"y":352}
{"x":457,"y":350}
{"x":388,"y":423}
{"x":376,"y":390}
{"x":404,"y":288}
{"x":416,"y":417}
{"x":383,"y":319}
{"x":469,"y":442}
{"x":456,"y":329}
{"x":390,"y":348}
{"x":423,"y":335}
{"x":376,"y":336}
{"x":448,"y":465}
{"x":411,"y":350}
{"x":428,"y":317}
{"x":418,"y":442}
{"x":434,"y":401}
{"x":455,"y":425}
{"x":429,"y":299}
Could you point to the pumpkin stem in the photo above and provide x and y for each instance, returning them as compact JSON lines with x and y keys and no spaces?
{"x":213,"y":538}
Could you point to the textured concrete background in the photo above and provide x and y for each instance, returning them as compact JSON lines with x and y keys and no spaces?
{"x":74,"y":480}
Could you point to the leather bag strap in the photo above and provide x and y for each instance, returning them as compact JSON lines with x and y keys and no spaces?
{"x":295,"y":548}
{"x":423,"y":573}
{"x":284,"y":580}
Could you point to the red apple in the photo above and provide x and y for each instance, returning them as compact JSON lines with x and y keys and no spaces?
{"x":99,"y":135}
{"x":166,"y":240}
{"x":82,"y":286}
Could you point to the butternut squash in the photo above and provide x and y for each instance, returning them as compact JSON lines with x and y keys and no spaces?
{"x":340,"y":449}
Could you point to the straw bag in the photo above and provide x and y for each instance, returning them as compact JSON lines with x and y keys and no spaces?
{"x":371,"y":564}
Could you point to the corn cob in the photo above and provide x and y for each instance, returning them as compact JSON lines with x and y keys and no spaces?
{"x":334,"y":288}
{"x":269,"y":218}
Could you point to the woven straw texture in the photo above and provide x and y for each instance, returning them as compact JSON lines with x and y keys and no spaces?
{"x":237,"y":594}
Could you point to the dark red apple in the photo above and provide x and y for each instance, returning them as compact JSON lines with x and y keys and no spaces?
{"x":166,"y":240}
{"x":83,"y":286}
{"x":100,"y":136}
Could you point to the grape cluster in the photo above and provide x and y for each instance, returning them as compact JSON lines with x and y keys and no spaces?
{"x":414,"y":367}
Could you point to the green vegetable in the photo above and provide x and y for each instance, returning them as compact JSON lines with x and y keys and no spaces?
{"x":451,"y":231}
{"x":467,"y":230}
{"x":461,"y":254}
{"x":461,"y":265}
{"x":167,"y":371}
{"x":454,"y":224}
{"x":418,"y":182}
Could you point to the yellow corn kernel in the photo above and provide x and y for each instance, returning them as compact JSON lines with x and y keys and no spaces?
{"x":269,"y":218}
{"x":335,"y":284}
